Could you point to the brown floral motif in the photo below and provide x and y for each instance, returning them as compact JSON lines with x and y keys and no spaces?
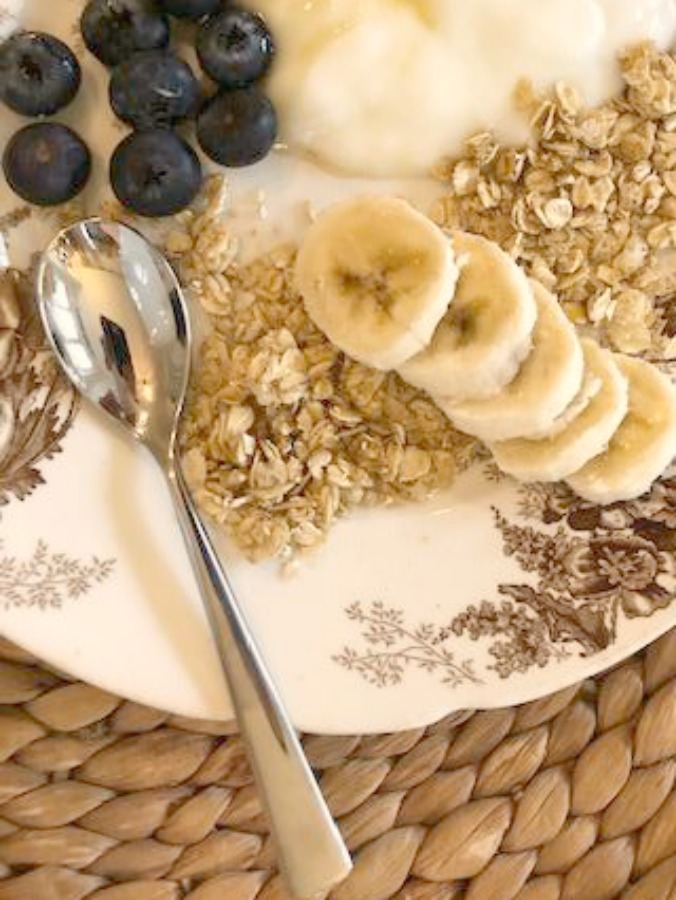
{"x":592,"y":565}
{"x":46,"y":579}
{"x":37,"y":405}
{"x":392,"y":647}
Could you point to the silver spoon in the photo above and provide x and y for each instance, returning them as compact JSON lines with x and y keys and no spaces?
{"x":117,"y":320}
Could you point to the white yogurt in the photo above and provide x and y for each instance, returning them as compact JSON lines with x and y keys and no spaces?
{"x":386,"y":87}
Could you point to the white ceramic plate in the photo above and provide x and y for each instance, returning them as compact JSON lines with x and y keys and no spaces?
{"x":489,"y":595}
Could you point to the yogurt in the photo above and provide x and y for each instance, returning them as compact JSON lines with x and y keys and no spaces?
{"x":387,"y":87}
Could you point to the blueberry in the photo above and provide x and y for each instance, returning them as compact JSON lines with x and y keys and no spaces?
{"x":237,"y":128}
{"x":190,"y":9}
{"x":39,"y":74}
{"x":235,"y":47}
{"x":46,"y":163}
{"x":154,"y":89}
{"x":114,"y":29}
{"x":155,"y":173}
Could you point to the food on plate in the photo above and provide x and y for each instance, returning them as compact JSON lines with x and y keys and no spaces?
{"x":237,"y":128}
{"x":235,"y":47}
{"x":115,"y":29}
{"x":545,"y":384}
{"x":155,"y":173}
{"x":586,"y":207}
{"x":356,"y":289}
{"x":331,"y":373}
{"x":377,"y":277}
{"x":39,"y":74}
{"x":386,"y":87}
{"x":46,"y":163}
{"x":190,"y":9}
{"x":581,"y":433}
{"x":486,"y":332}
{"x":643,"y":446}
{"x":154,"y":88}
{"x":284,"y":434}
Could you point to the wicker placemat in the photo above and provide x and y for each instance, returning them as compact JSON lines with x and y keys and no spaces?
{"x":571,"y":797}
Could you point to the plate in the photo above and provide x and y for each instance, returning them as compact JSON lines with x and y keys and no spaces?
{"x":488,"y":595}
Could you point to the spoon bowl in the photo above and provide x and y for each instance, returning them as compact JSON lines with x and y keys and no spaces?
{"x":129,"y":352}
{"x":118,"y":322}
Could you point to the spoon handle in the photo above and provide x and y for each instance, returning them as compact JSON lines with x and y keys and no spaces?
{"x":312,"y":854}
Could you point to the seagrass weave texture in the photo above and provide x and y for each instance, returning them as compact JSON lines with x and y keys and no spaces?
{"x":569,"y":797}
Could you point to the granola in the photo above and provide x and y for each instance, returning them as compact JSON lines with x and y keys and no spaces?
{"x":589,"y":207}
{"x":283,"y":433}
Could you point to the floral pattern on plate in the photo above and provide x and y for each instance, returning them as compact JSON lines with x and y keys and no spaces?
{"x":37,"y":405}
{"x":592,"y":564}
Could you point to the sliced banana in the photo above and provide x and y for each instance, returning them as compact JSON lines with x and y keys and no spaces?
{"x":486,"y":333}
{"x":600,"y":408}
{"x":591,"y":385}
{"x":644,"y":444}
{"x":376,"y":277}
{"x":545,"y":385}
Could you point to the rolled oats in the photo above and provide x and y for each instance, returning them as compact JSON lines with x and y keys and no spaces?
{"x":629,"y":326}
{"x":588,"y":206}
{"x":600,"y":306}
{"x":555,"y":213}
{"x":283,"y":434}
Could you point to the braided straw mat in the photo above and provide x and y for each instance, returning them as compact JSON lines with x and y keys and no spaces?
{"x":568,"y":797}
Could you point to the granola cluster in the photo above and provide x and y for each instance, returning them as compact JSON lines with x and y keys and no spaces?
{"x":283,"y":433}
{"x":589,"y":207}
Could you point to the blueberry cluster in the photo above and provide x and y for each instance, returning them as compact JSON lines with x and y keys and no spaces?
{"x":45,"y":163}
{"x":154,"y":171}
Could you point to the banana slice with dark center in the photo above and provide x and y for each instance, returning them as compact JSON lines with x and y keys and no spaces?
{"x":486,"y":333}
{"x":545,"y":385}
{"x":376,"y":277}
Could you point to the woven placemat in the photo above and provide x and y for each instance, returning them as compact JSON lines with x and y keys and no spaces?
{"x":569,"y":797}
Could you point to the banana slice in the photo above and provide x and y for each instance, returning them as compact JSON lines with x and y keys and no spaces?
{"x":376,"y":277}
{"x":546,"y":384}
{"x":486,"y":334}
{"x":597,"y":413}
{"x":644,"y":444}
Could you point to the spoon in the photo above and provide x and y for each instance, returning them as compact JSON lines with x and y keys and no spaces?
{"x":118,"y":322}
